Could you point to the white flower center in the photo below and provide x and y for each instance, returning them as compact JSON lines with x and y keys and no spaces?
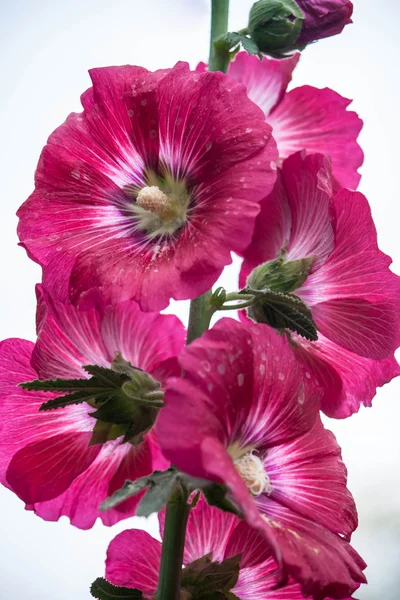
{"x":161,"y":207}
{"x":153,"y":199}
{"x":252,"y":471}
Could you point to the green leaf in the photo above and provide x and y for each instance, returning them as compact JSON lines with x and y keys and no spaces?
{"x":157,"y":495}
{"x":109,"y":377}
{"x":231,"y":41}
{"x":284,"y":311}
{"x":104,"y":590}
{"x":57,"y":385}
{"x":250,"y":46}
{"x":88,"y":395}
{"x":132,"y":488}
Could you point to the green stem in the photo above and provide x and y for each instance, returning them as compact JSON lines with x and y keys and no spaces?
{"x":238,"y":306}
{"x":238,"y":296}
{"x":199,"y":316}
{"x":219,"y":57}
{"x":176,"y":517}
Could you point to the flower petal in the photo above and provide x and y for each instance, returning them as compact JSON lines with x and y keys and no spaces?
{"x":266,"y":80}
{"x":324,"y":563}
{"x":308,"y":476}
{"x":349,"y":380}
{"x":355,"y":284}
{"x":22,"y":423}
{"x":254,"y":401}
{"x":133,"y":560}
{"x":44,"y":469}
{"x":317,"y":121}
{"x":308,"y":185}
{"x":114,"y":465}
{"x":70,"y":338}
{"x":208,"y":532}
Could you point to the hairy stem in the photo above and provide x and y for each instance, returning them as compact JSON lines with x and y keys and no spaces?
{"x":176,"y":517}
{"x":219,"y":57}
{"x":199,"y":316}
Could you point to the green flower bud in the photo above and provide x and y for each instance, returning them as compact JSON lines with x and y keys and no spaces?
{"x":275,"y":25}
{"x":279,"y":275}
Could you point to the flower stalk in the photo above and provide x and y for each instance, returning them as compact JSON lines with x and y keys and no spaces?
{"x":176,"y":517}
{"x":219,"y":57}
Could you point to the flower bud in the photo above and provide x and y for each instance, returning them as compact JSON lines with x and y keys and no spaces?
{"x":275,"y":25}
{"x":323,"y":18}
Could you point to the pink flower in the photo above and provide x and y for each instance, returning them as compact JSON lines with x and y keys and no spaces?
{"x":304,"y":118}
{"x":133,"y":556}
{"x":45,"y":457}
{"x":148,"y":190}
{"x":323,"y":18}
{"x":249,"y":419}
{"x":353,"y":296}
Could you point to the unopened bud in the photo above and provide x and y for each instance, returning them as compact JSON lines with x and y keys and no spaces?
{"x":275,"y":25}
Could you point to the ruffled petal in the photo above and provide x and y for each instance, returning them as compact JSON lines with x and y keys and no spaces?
{"x":208,"y":531}
{"x":133,"y":560}
{"x":22,"y":425}
{"x":357,"y":290}
{"x":297,"y":215}
{"x":308,"y":185}
{"x":266,"y":80}
{"x":348,"y":380}
{"x":44,"y":469}
{"x":271,"y":231}
{"x":252,"y":400}
{"x":322,"y":562}
{"x":70,"y":338}
{"x":114,"y":465}
{"x":308,"y":476}
{"x":317,"y":121}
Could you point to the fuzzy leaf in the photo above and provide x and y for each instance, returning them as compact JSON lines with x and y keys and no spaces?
{"x":284,"y":311}
{"x":132,"y":488}
{"x":231,"y":41}
{"x":157,"y":495}
{"x":104,"y":590}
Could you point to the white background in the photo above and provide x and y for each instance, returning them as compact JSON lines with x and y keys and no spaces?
{"x":46,"y":48}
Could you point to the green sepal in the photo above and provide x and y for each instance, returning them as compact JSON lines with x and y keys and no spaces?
{"x":280,"y":275}
{"x":283,"y":311}
{"x":218,"y":298}
{"x":159,"y":482}
{"x":104,"y":590}
{"x":204,"y":579}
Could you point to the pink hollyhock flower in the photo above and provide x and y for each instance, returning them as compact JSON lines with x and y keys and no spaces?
{"x":148,"y":190}
{"x":353,"y":295}
{"x":45,"y":457}
{"x":306,"y":117}
{"x":133,"y":556}
{"x":323,"y":18}
{"x":249,"y":419}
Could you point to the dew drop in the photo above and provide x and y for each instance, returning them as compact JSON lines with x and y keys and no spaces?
{"x":240,"y":379}
{"x":221,"y":369}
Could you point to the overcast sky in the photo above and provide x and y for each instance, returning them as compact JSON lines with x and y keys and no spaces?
{"x":46,"y":49}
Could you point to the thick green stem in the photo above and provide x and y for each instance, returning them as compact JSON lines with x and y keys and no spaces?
{"x":199,"y":316}
{"x":219,"y":57}
{"x":176,"y":517}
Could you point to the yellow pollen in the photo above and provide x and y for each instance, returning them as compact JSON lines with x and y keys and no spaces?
{"x":252,"y":471}
{"x":151,"y":198}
